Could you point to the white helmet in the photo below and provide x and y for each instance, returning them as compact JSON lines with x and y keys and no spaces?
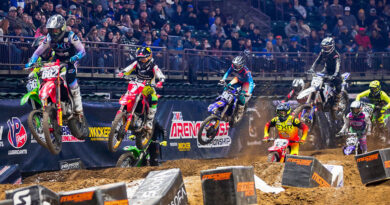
{"x":238,"y":63}
{"x":356,"y":108}
{"x":298,"y":84}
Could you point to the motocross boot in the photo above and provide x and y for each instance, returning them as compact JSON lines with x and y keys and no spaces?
{"x":149,"y":120}
{"x":78,"y":105}
{"x":240,"y":113}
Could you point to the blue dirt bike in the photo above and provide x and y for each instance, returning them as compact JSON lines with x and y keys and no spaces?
{"x":223,"y":109}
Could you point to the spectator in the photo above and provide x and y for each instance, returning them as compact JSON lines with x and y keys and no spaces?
{"x":280,"y":45}
{"x":203,"y":19}
{"x":99,"y":13}
{"x":43,"y":20}
{"x":291,"y":29}
{"x":13,"y":17}
{"x":372,"y":17}
{"x":177,"y":31}
{"x":4,"y":25}
{"x":336,"y":10}
{"x":216,"y":48}
{"x":377,"y":41}
{"x":347,"y":39}
{"x":303,"y":29}
{"x":294,"y":46}
{"x":217,"y":24}
{"x":178,"y":16}
{"x":361,"y":19}
{"x":270,"y":37}
{"x":28,"y":28}
{"x":340,"y":47}
{"x":37,"y":19}
{"x":227,"y":45}
{"x":348,"y":19}
{"x":72,"y":10}
{"x":234,"y":39}
{"x":168,"y":8}
{"x":362,"y":39}
{"x":102,"y":33}
{"x":190,"y":16}
{"x":268,"y":50}
{"x":241,"y":44}
{"x":314,"y":42}
{"x":242,"y":30}
{"x":128,"y":38}
{"x":248,"y":45}
{"x":300,"y":9}
{"x":257,"y":41}
{"x":50,"y":9}
{"x":143,"y":20}
{"x":337,"y":29}
{"x":158,"y":16}
{"x":162,"y":41}
{"x":354,"y":8}
{"x":41,"y":31}
{"x":219,"y":14}
{"x":324,"y":9}
{"x":126,"y":21}
{"x":166,"y":28}
{"x":229,"y":27}
{"x":211,"y":18}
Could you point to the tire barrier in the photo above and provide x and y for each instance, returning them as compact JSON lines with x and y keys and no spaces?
{"x":302,"y":171}
{"x":10,"y":174}
{"x":100,"y":195}
{"x":161,"y":187}
{"x":229,"y":185}
{"x":374,"y":166}
{"x":35,"y":194}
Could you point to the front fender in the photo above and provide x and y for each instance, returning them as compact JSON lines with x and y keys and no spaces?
{"x":48,"y":90}
{"x":126,"y":99}
{"x":304,"y":93}
{"x":136,"y":152}
{"x":33,"y":95}
{"x":216,"y":105}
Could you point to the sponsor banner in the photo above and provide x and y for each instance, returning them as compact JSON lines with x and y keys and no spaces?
{"x":180,"y":118}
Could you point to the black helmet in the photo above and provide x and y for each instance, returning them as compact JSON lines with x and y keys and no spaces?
{"x":238,"y":63}
{"x":56,"y":25}
{"x":327,"y":45}
{"x":282,"y":111}
{"x":144,"y":55}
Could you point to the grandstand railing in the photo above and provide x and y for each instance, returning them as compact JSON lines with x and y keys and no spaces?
{"x":105,"y":59}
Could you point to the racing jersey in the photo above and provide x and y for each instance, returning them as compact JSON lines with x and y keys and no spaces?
{"x":287,"y":129}
{"x":380,"y":99}
{"x":145,"y":74}
{"x":69,"y":46}
{"x":244,"y":76}
{"x":357,"y":123}
{"x":331,"y":62}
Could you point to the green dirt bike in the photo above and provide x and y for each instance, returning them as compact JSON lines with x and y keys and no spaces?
{"x":379,"y":130}
{"x":134,"y":157}
{"x":34,"y":120}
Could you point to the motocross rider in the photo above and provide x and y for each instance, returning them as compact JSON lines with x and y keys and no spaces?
{"x":67,"y":47}
{"x":330,"y":58}
{"x":243,"y":78}
{"x":377,"y":97}
{"x":287,"y":126}
{"x":357,"y":122}
{"x":298,"y":85}
{"x":146,"y":69}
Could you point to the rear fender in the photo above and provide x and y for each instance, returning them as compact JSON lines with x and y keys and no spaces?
{"x":216,"y":105}
{"x":305,"y":93}
{"x":48,"y":90}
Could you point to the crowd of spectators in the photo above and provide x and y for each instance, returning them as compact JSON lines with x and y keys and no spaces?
{"x":356,"y":26}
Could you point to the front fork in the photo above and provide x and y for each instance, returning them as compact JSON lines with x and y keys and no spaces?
{"x":130,"y":117}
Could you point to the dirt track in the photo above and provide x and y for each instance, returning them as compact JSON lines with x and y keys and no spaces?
{"x":353,"y":191}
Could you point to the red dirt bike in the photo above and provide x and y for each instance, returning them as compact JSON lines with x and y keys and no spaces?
{"x":58,"y":107}
{"x":131,"y":116}
{"x":279,"y":150}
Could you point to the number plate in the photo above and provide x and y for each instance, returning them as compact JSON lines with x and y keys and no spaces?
{"x":50,"y":72}
{"x":317,"y":81}
{"x":227,"y":96}
{"x":31,"y":84}
{"x":281,"y":142}
{"x":352,"y":141}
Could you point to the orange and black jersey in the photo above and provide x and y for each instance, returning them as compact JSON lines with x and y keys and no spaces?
{"x":287,"y":129}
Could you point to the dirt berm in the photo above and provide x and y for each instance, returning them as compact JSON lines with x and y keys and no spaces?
{"x":353,"y":192}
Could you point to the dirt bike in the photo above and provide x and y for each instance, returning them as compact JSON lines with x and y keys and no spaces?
{"x":378,"y":129}
{"x":352,"y":144}
{"x":223,"y":109}
{"x":57,"y":108}
{"x":34,"y":120}
{"x":279,"y":150}
{"x":134,"y":157}
{"x":132,"y":115}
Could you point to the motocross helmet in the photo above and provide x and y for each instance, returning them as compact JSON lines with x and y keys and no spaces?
{"x":298,"y":84}
{"x":144,"y":56}
{"x":356,"y":108}
{"x":238,"y":63}
{"x":56,"y":25}
{"x":282,"y":111}
{"x":375,"y":87}
{"x":327,"y":45}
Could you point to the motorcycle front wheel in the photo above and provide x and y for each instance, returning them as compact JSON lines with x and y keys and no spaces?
{"x":34,"y":122}
{"x":78,"y":129}
{"x":51,"y":130}
{"x":273,"y":157}
{"x":211,"y":126}
{"x":117,"y":132}
{"x":126,"y":160}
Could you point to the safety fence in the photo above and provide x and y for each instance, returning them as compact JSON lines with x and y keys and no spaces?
{"x":192,"y":64}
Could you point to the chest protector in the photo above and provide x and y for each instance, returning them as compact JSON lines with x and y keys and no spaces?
{"x":357,"y":123}
{"x":286,"y":129}
{"x":146,"y":73}
{"x":64,"y":48}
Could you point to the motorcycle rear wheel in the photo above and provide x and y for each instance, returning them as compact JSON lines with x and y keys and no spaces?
{"x":51,"y":130}
{"x":211,"y":132}
{"x":34,"y":122}
{"x":126,"y":160}
{"x":116,"y":135}
{"x":273,"y":157}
